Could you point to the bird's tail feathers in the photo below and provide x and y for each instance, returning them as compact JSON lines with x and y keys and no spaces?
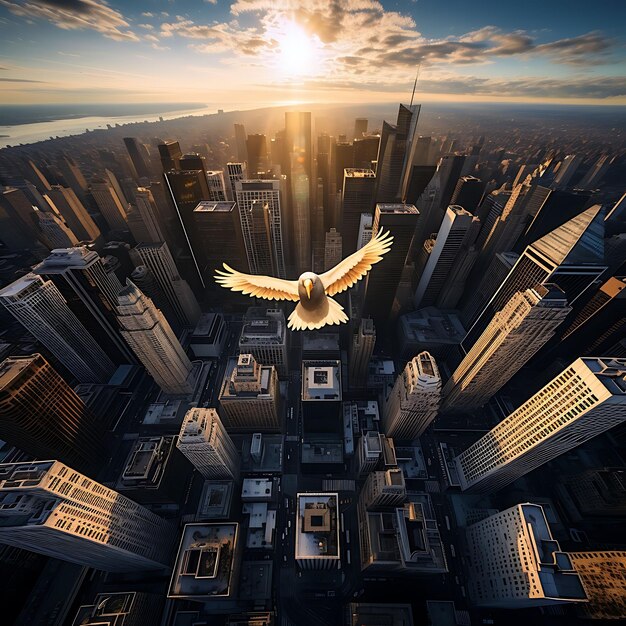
{"x":331,"y":313}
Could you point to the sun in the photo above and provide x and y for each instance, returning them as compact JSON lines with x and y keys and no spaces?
{"x":297,"y":50}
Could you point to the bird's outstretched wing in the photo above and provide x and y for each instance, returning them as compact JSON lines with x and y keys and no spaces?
{"x":354,"y":267}
{"x":255,"y":286}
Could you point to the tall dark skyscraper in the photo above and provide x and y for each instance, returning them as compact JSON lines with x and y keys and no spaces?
{"x":170,"y":154}
{"x":394,"y":153}
{"x":136,"y":152}
{"x":357,"y":196}
{"x":571,"y":256}
{"x":343,"y":157}
{"x":256,"y":146}
{"x":468,"y":193}
{"x":91,"y":293}
{"x":382,"y":281}
{"x":360,"y":127}
{"x":240,"y":143}
{"x":42,"y":415}
{"x":219,"y":222}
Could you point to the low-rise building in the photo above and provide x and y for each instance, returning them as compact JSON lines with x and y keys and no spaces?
{"x":317,"y":531}
{"x":208,"y":337}
{"x":207,"y":565}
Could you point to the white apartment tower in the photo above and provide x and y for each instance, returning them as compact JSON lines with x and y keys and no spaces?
{"x":414,"y":400}
{"x":158,"y":259}
{"x":586,"y":399}
{"x":206,"y":444}
{"x":514,"y":335}
{"x":39,"y":306}
{"x":153,"y":341}
{"x":217,"y":188}
{"x":267,"y":192}
{"x":515,"y":562}
{"x":48,"y":508}
{"x":236,"y":172}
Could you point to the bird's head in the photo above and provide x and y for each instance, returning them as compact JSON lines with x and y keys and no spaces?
{"x":309,"y":285}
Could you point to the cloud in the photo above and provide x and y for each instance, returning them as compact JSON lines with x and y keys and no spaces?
{"x":600,"y":87}
{"x":75,"y":15}
{"x":19,"y":80}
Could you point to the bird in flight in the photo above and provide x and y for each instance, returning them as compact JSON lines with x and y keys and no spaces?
{"x":315,"y":307}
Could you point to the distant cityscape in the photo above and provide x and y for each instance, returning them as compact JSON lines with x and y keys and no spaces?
{"x":172,"y":454}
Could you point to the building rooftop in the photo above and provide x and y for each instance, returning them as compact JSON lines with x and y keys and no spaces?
{"x":384,"y":614}
{"x":397,"y":208}
{"x":322,"y":451}
{"x":320,"y":342}
{"x":357,"y":172}
{"x":610,"y":372}
{"x":214,"y":207}
{"x":321,"y":380}
{"x":431,"y":325}
{"x":12,"y":368}
{"x":215,"y":500}
{"x":16,"y":288}
{"x":206,"y":324}
{"x":317,"y":526}
{"x":165,"y":413}
{"x":205,"y":561}
{"x":146,"y":463}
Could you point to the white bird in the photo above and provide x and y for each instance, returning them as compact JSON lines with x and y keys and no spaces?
{"x":315,"y":307}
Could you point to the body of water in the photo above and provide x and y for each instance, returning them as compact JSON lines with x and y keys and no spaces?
{"x":32,"y":123}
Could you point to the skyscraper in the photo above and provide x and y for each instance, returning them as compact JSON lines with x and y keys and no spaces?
{"x":571,"y":256}
{"x":361,"y":348}
{"x":457,"y":227}
{"x":268,"y":194}
{"x":360,"y":127}
{"x":300,"y":240}
{"x":136,"y":152}
{"x":357,"y":197}
{"x":394,"y":154}
{"x":468,"y":193}
{"x":476,"y":298}
{"x":67,"y":203}
{"x":157,"y":257}
{"x":236,"y":172}
{"x":240,"y":142}
{"x":598,"y":325}
{"x":205,"y":442}
{"x":47,"y":507}
{"x":586,"y":399}
{"x":250,"y":396}
{"x":42,"y":415}
{"x":170,"y":154}
{"x":110,"y":205}
{"x":219,"y":222}
{"x":414,"y":400}
{"x":256,"y":146}
{"x":54,"y":230}
{"x":153,"y":341}
{"x":382,"y":281}
{"x":264,"y":336}
{"x":514,"y":562}
{"x":217,"y":187}
{"x":91,"y":293}
{"x":39,"y":306}
{"x":146,"y":205}
{"x":567,"y":169}
{"x":365,"y":229}
{"x":332,"y":249}
{"x":513,"y":336}
{"x":595,"y":174}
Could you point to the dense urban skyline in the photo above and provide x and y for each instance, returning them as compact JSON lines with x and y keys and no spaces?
{"x":347,"y":362}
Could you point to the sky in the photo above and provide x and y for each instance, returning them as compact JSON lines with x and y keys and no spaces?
{"x":272,"y":52}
